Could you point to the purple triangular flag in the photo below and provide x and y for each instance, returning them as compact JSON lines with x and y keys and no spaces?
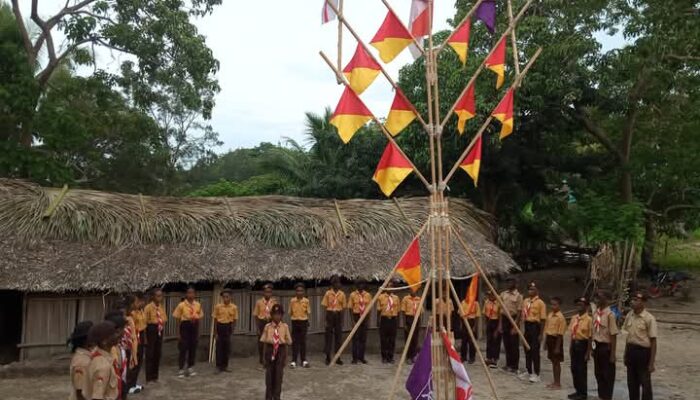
{"x":487,"y":13}
{"x":419,"y":383}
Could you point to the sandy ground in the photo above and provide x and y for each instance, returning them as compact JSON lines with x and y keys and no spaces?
{"x":675,"y":379}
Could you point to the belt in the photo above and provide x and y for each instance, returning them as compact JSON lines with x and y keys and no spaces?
{"x":386,"y":317}
{"x":637,"y":347}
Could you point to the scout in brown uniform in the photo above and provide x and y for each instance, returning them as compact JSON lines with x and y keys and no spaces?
{"x":139,"y":319}
{"x":80,"y":361}
{"x":534,"y":314}
{"x":492,"y":314}
{"x":554,"y":330}
{"x":102,"y":377}
{"x":605,"y":337}
{"x":513,"y":301}
{"x":187,"y":314}
{"x":155,"y":326}
{"x":262,"y":314}
{"x":471,"y":312}
{"x":300,"y":309}
{"x":276,"y":340}
{"x":640,"y":351}
{"x":388,"y":309}
{"x":334,"y":302}
{"x":358,"y":302}
{"x":122,"y":350}
{"x":225,"y":317}
{"x":580,"y":329}
{"x":409,"y":306}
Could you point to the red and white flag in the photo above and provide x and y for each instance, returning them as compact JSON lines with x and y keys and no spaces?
{"x":328,"y":15}
{"x":419,"y":23}
{"x":463,"y":386}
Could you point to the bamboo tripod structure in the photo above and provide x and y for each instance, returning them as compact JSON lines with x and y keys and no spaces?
{"x":437,"y":227}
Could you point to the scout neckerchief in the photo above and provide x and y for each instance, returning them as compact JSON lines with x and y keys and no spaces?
{"x":268,"y":305}
{"x":334,"y":300}
{"x":389,"y":304}
{"x":362,"y":302}
{"x":194,"y":316}
{"x":598,"y":319}
{"x":127,"y":338}
{"x":275,"y":341}
{"x":159,"y":319}
{"x":490,"y":309}
{"x":574,"y":326}
{"x":528,"y":306}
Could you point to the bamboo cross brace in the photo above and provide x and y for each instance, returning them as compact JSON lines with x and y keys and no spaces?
{"x":374,"y":300}
{"x":487,"y":370}
{"x":55,"y":203}
{"x":381,"y":126}
{"x":415,"y":41}
{"x":486,"y":123}
{"x":340,"y":218}
{"x":466,"y":17}
{"x":491,"y":287}
{"x":511,"y":26}
{"x":409,"y":338}
{"x":516,"y":58}
{"x":340,"y":36}
{"x":343,"y":21}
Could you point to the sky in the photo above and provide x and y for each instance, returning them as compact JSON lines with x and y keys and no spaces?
{"x":270,"y":71}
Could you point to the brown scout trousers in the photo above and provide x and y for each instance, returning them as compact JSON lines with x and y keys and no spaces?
{"x":359,"y":340}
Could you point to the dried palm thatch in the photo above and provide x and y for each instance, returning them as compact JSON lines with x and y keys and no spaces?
{"x":107,"y":241}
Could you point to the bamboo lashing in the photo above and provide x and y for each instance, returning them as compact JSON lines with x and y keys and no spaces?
{"x":511,"y":26}
{"x":491,"y":287}
{"x":344,"y":21}
{"x":374,"y":300}
{"x":381,"y":126}
{"x":51,"y":209}
{"x":486,"y":123}
{"x":516,"y":57}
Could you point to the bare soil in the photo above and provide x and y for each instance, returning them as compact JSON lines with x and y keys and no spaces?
{"x":675,"y":378}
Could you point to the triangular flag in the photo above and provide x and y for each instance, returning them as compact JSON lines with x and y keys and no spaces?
{"x":400,"y":115}
{"x":504,"y":113}
{"x":487,"y":13}
{"x":472,"y":162}
{"x":361,"y":70}
{"x":392,"y":169}
{"x":465,"y":108}
{"x":391,"y":38}
{"x":463,"y":385}
{"x":420,"y":381}
{"x":497,"y":62}
{"x":418,"y":24}
{"x":327,"y":14}
{"x":409,"y":266}
{"x":473,"y":291}
{"x":459,"y":41}
{"x":350,"y":115}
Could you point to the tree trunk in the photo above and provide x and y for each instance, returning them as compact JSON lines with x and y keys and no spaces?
{"x":649,"y":243}
{"x":626,"y":184}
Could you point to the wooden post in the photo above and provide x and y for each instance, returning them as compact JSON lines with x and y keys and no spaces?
{"x":340,"y":37}
{"x":516,"y":57}
{"x":215,"y":295}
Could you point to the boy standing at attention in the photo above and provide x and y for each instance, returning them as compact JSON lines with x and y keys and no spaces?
{"x":640,"y":351}
{"x":470,"y":312}
{"x":188,"y":313}
{"x":554,"y":329}
{"x":300,"y":309}
{"x":580,"y":349}
{"x":513,"y":302}
{"x":276,"y":340}
{"x":155,"y":326}
{"x":409,"y":306}
{"x":492,"y":313}
{"x":225,"y":317}
{"x":334,"y":302}
{"x":534,"y":313}
{"x":388,"y":309}
{"x":80,"y":362}
{"x":605,"y":337}
{"x":359,"y":299}
{"x":262,"y":311}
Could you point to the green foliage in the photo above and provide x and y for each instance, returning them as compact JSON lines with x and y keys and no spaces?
{"x":678,"y":254}
{"x":254,"y":186}
{"x":601,"y":219}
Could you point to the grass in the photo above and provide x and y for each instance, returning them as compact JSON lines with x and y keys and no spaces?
{"x":679,"y":254}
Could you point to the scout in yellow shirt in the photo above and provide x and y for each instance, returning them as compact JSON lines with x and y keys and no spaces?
{"x":262,"y":314}
{"x":470,"y":311}
{"x":299,"y":310}
{"x":188,"y":313}
{"x":410,"y":305}
{"x":80,"y":361}
{"x":640,"y":351}
{"x":534,"y":313}
{"x":605,"y":338}
{"x":580,"y":330}
{"x":102,"y":381}
{"x":276,"y":340}
{"x":492,"y":315}
{"x":138,"y":316}
{"x":225,"y":317}
{"x":358,"y":303}
{"x":155,"y":315}
{"x":554,"y":330}
{"x":388,"y":309}
{"x":334,"y":302}
{"x":513,"y":302}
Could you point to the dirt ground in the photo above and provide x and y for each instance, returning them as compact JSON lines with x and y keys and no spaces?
{"x":675,"y":378}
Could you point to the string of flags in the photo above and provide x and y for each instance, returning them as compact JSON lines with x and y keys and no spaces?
{"x":390,"y":40}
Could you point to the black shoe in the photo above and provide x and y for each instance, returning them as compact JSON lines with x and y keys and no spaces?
{"x":339,"y":362}
{"x":577,"y":396}
{"x":471,"y":361}
{"x":353,"y":362}
{"x":363,"y":361}
{"x":328,"y":361}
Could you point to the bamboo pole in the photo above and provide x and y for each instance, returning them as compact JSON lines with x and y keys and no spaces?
{"x":415,"y":41}
{"x":215,"y":294}
{"x":488,"y":283}
{"x":55,"y":202}
{"x":466,"y":17}
{"x":340,"y":37}
{"x":381,"y":126}
{"x":488,"y":120}
{"x":340,"y":218}
{"x":411,"y":332}
{"x":516,"y":57}
{"x":374,"y":299}
{"x":473,"y":339}
{"x":344,"y":21}
{"x":511,"y":26}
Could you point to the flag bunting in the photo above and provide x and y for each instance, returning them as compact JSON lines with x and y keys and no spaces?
{"x":400,"y":115}
{"x":327,"y":14}
{"x":463,"y":385}
{"x":409,"y":265}
{"x":392,"y":169}
{"x":362,"y":70}
{"x":465,"y":108}
{"x":496,"y":62}
{"x":472,"y":163}
{"x":391,"y":38}
{"x":350,"y":115}
{"x":504,"y":113}
{"x":487,"y":14}
{"x":459,"y":41}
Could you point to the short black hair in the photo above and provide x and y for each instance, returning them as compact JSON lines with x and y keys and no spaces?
{"x":300,"y":285}
{"x":267,"y":285}
{"x":117,"y":318}
{"x":557,"y":299}
{"x":335,"y":278}
{"x":277,"y":308}
{"x":226,"y":291}
{"x":101,"y":332}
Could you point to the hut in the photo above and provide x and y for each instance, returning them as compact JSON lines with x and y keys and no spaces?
{"x":66,"y":254}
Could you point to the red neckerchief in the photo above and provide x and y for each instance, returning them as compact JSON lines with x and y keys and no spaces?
{"x":159,"y":318}
{"x":362,"y":302}
{"x":574,"y":326}
{"x":526,"y":311}
{"x":127,"y":338}
{"x":389,"y":304}
{"x":598,"y":319}
{"x":275,"y":341}
{"x":268,"y":306}
{"x":490,"y":309}
{"x":194,"y":317}
{"x":334,"y":301}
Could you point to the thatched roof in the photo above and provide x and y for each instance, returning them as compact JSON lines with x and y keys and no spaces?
{"x":107,"y":241}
